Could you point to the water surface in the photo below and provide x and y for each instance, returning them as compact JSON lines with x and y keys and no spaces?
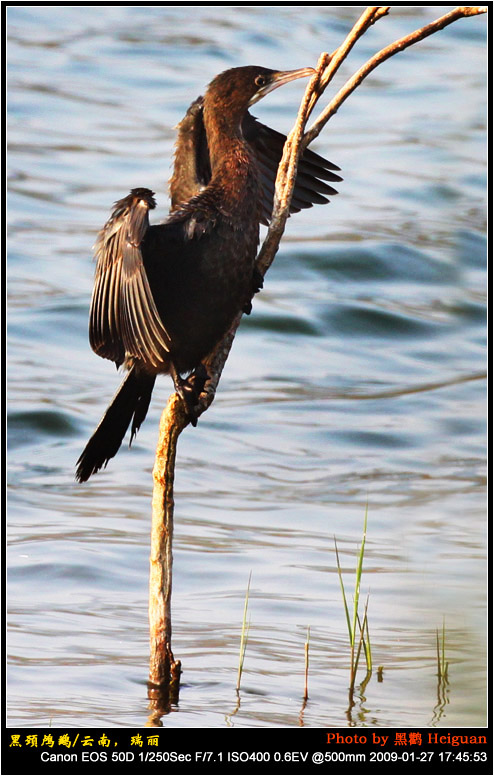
{"x":359,"y":379}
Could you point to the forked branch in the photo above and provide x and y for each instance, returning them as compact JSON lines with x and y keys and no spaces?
{"x":174,"y":418}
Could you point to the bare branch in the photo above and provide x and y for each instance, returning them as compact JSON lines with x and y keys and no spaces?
{"x":369,"y":16}
{"x":162,"y":664}
{"x":285,"y":179}
{"x":381,"y":56}
{"x":174,"y":418}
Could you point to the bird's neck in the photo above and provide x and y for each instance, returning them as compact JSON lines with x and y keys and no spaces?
{"x":232,"y":163}
{"x":223,"y":132}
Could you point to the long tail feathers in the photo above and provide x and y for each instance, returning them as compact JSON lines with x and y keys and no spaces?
{"x":130,"y":403}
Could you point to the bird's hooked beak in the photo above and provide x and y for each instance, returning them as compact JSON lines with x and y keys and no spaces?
{"x":280,"y":78}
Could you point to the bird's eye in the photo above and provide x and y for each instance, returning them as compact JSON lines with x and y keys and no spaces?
{"x":260,"y":80}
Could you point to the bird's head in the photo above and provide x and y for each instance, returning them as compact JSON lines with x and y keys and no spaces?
{"x":235,"y":90}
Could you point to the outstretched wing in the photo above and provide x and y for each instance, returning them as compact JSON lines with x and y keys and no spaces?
{"x":312,"y":172}
{"x":192,"y":169}
{"x":124,"y":321}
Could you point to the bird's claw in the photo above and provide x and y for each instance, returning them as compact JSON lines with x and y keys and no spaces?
{"x":257,"y":284}
{"x":257,"y":281}
{"x":190,"y":388}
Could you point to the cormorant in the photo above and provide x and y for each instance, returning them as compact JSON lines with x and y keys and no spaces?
{"x":165,"y":295}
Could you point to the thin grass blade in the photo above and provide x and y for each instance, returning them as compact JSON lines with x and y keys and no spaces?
{"x":244,"y":635}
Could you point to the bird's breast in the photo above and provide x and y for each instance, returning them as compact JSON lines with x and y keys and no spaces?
{"x":204,"y":287}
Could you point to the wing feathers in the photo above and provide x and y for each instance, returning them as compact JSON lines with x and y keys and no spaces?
{"x":124,"y":321}
{"x":192,"y":170}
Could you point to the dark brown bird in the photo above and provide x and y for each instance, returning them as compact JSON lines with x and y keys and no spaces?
{"x":165,"y":295}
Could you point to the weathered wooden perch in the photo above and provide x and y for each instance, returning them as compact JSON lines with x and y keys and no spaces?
{"x":163,"y":665}
{"x":164,"y":670}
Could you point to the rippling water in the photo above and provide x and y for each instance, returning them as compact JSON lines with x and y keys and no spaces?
{"x":358,"y":379}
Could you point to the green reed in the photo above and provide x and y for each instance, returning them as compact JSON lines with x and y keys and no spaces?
{"x":244,"y":636}
{"x":358,"y":628}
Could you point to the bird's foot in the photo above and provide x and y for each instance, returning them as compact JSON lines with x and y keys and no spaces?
{"x":257,"y":284}
{"x":190,"y":388}
{"x":257,"y":281}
